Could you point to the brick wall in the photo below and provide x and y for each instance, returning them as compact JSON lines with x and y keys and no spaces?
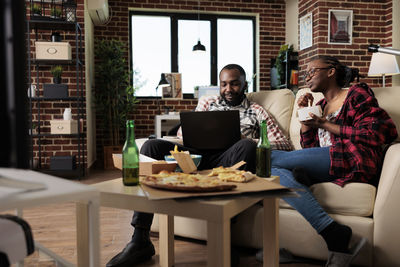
{"x":272,"y":35}
{"x":372,"y":24}
{"x":50,"y":110}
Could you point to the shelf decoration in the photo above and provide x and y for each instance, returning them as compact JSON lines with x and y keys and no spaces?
{"x":56,"y":90}
{"x":70,"y":10}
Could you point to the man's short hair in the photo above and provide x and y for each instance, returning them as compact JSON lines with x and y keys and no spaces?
{"x":235,"y":67}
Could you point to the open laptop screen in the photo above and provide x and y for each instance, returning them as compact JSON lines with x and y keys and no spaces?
{"x":210,"y":130}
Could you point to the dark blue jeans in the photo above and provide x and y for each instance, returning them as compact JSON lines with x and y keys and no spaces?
{"x":245,"y":150}
{"x":316,"y":162}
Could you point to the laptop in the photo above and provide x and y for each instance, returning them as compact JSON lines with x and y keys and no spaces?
{"x":210,"y":130}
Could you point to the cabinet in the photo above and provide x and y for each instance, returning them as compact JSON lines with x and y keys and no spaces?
{"x":45,"y":146}
{"x":290,"y":64}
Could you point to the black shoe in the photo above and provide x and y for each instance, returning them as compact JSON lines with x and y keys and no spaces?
{"x":133,"y":253}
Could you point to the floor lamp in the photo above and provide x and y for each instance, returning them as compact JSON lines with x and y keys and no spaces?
{"x":383,"y":64}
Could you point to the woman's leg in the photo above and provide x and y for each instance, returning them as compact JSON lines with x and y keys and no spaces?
{"x":315,"y":162}
{"x":306,"y":204}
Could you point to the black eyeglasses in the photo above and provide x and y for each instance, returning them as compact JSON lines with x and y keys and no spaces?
{"x":312,"y":71}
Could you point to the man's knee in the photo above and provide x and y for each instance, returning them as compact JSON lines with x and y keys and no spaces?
{"x":152,"y":148}
{"x":246,"y":145}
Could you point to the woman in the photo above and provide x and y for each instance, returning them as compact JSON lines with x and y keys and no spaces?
{"x":346,"y":142}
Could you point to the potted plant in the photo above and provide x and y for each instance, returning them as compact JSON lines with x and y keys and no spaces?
{"x":196,"y":92}
{"x":56,"y":71}
{"x":36,"y":10}
{"x":57,"y":89}
{"x":56,"y":13}
{"x":114,"y":96}
{"x":281,"y":61}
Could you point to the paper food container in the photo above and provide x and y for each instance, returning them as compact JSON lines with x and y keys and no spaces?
{"x":147,"y":165}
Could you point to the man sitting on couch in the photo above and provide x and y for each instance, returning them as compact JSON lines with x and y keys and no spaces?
{"x":232,"y":96}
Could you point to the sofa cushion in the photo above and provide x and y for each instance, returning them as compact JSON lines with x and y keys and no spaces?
{"x":356,"y":199}
{"x":278,"y":103}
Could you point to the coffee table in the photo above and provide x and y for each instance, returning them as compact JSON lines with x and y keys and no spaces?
{"x":216,"y":211}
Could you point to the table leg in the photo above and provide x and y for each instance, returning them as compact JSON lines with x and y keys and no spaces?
{"x":87,"y":233}
{"x":166,"y":234}
{"x":271,"y":232}
{"x":219,"y":244}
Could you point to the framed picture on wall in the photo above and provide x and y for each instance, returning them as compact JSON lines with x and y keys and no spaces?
{"x":306,"y":31}
{"x":340,"y":26}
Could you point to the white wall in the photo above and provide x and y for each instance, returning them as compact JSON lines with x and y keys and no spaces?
{"x":292,"y":23}
{"x":89,"y":78}
{"x":396,"y":35}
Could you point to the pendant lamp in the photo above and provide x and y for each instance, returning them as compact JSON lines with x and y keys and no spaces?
{"x":198,"y":47}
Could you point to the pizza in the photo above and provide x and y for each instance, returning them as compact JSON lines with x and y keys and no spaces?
{"x":178,"y":181}
{"x":231,"y":175}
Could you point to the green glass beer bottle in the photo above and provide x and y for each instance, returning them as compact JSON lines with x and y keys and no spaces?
{"x":263,"y":153}
{"x":130,"y":157}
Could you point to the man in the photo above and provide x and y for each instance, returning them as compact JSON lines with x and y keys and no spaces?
{"x":232,"y":96}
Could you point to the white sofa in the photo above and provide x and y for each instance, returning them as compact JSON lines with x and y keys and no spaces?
{"x":370,"y":212}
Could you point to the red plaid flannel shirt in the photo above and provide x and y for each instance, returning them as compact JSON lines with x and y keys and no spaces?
{"x":357,"y":153}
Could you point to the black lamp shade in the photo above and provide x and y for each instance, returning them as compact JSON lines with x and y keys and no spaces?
{"x":163,"y":81}
{"x":199,"y":47}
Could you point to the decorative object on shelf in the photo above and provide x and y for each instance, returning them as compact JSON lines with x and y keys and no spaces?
{"x":55,"y":13}
{"x":198,"y":47}
{"x":306,"y":34}
{"x":281,"y":59}
{"x":114,"y":96}
{"x":53,"y":50}
{"x":340,"y":26}
{"x":173,"y":88}
{"x":56,"y":90}
{"x":383,"y":65}
{"x":67,"y":115}
{"x":56,"y":71}
{"x":70,"y":10}
{"x":32,"y":91}
{"x":196,"y":92}
{"x":36,"y":9}
{"x":63,"y":163}
{"x":63,"y":126}
{"x":56,"y":37}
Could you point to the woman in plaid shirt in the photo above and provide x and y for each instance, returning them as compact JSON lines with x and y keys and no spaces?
{"x":346,"y":142}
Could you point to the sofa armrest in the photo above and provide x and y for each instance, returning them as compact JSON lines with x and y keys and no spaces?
{"x":386,"y":212}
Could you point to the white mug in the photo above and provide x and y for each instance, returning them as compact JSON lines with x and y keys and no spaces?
{"x":32,"y":91}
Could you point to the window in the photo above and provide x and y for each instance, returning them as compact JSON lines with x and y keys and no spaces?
{"x":163,"y":42}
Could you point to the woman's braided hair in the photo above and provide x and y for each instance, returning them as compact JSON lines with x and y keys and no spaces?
{"x":344,"y":74}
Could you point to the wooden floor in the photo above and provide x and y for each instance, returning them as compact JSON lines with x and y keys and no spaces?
{"x":54,"y":227}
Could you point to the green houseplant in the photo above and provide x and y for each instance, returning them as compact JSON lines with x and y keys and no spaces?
{"x":36,"y":10}
{"x":56,"y":71}
{"x":56,"y":13}
{"x":114,"y":96}
{"x":281,"y":61}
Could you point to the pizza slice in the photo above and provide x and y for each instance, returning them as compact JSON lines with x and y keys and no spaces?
{"x":231,"y":175}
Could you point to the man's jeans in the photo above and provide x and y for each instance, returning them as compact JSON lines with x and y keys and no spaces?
{"x":245,"y":150}
{"x":316,"y":162}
